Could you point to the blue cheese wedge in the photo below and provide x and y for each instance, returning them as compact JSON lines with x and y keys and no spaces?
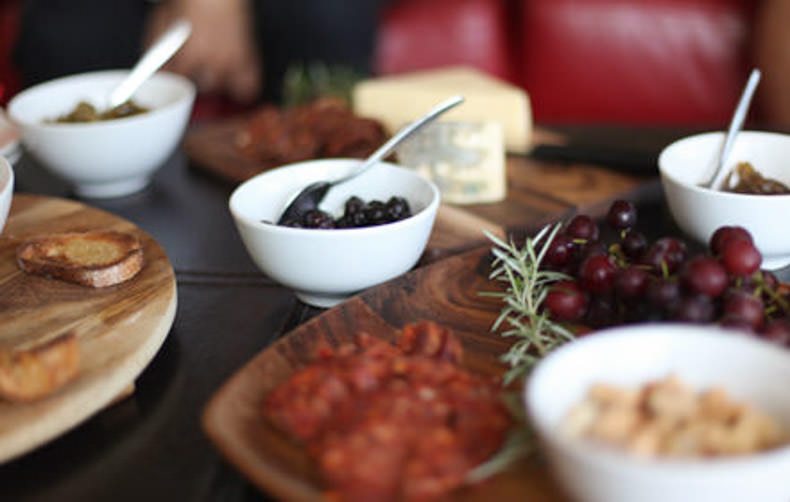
{"x":466,"y":160}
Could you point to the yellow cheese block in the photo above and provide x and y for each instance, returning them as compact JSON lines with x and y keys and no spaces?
{"x":398,"y":99}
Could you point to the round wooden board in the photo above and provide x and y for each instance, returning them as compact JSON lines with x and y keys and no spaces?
{"x":446,"y":292}
{"x":119,"y":328}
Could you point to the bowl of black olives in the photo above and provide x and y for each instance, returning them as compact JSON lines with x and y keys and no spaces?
{"x":366,"y":231}
{"x":357,"y":213}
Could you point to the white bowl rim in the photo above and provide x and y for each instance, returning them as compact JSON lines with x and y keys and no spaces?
{"x":716,"y":193}
{"x":333,"y":233}
{"x":189,"y":88}
{"x":611,"y":458}
{"x":5,"y":166}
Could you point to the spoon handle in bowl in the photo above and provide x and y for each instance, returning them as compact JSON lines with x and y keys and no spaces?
{"x":735,"y":126}
{"x":404,"y":133}
{"x":157,"y":55}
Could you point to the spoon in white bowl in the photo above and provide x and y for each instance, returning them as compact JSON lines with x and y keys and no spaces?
{"x":715,"y":181}
{"x":310,"y":196}
{"x":158,"y":54}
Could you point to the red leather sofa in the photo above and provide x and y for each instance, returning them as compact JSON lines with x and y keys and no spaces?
{"x":9,"y":82}
{"x":657,"y":62}
{"x":616,"y":61}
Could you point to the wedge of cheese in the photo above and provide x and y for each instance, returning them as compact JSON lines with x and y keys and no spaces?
{"x":466,"y":160}
{"x":398,"y":99}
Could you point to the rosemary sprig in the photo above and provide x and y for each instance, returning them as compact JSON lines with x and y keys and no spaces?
{"x":303,"y":83}
{"x":527,"y":285}
{"x":519,"y":443}
{"x":535,"y":334}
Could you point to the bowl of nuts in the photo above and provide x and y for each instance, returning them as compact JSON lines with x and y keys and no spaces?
{"x":665,"y":412}
{"x":366,"y":231}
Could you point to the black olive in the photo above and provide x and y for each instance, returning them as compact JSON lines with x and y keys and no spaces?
{"x":354,"y":205}
{"x":356,"y":214}
{"x":359,"y":219}
{"x":315,"y":218}
{"x":376,"y":212}
{"x":398,"y":208}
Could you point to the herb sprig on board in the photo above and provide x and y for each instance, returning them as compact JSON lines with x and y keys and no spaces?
{"x":526,"y":286}
{"x":523,"y":320}
{"x":304,"y":83}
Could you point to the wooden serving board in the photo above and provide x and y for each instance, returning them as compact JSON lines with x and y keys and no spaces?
{"x":212,"y":147}
{"x":538,"y":192}
{"x":446,"y":292}
{"x":119,"y":328}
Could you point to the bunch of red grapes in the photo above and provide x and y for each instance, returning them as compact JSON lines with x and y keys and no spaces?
{"x":634,"y":280}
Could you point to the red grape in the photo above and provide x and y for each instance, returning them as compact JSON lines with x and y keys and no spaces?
{"x":597,"y":273}
{"x":630,"y":283}
{"x":582,"y":226}
{"x":641,"y":281}
{"x":566,"y":301}
{"x":740,"y":258}
{"x":694,"y":308}
{"x":742,"y":306}
{"x":662,"y":293}
{"x":593,"y":248}
{"x":601,"y":312}
{"x":703,"y":274}
{"x":559,"y":252}
{"x":634,"y":244}
{"x":667,"y":250}
{"x":621,"y":215}
{"x":722,"y":235}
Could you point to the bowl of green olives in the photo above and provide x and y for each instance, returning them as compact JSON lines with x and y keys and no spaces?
{"x":66,"y":126}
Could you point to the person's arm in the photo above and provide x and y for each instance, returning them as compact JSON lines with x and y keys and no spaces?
{"x":772,"y":57}
{"x":221,"y":54}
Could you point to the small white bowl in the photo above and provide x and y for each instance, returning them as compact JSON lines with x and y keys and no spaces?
{"x":324,"y":267}
{"x":6,"y":189}
{"x":10,"y":147}
{"x":698,"y":211}
{"x":750,"y":370}
{"x":108,"y":158}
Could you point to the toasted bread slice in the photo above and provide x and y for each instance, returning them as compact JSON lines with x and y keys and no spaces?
{"x":96,"y":259}
{"x":27,"y":375}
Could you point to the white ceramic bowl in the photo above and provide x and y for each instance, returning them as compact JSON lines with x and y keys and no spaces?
{"x":10,"y":147}
{"x":750,"y":370}
{"x":6,"y":189}
{"x":699,"y":211}
{"x":108,"y":158}
{"x":324,"y":267}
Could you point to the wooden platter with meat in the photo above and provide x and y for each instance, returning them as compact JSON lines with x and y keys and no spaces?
{"x":238,"y":148}
{"x":447,"y":293}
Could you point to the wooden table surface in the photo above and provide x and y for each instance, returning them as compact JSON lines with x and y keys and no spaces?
{"x":151,"y":446}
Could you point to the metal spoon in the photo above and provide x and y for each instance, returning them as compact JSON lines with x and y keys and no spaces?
{"x":311,"y":195}
{"x":156,"y":55}
{"x":714,"y":183}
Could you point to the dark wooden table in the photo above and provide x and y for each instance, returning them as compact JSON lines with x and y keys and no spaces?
{"x":150,"y":446}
